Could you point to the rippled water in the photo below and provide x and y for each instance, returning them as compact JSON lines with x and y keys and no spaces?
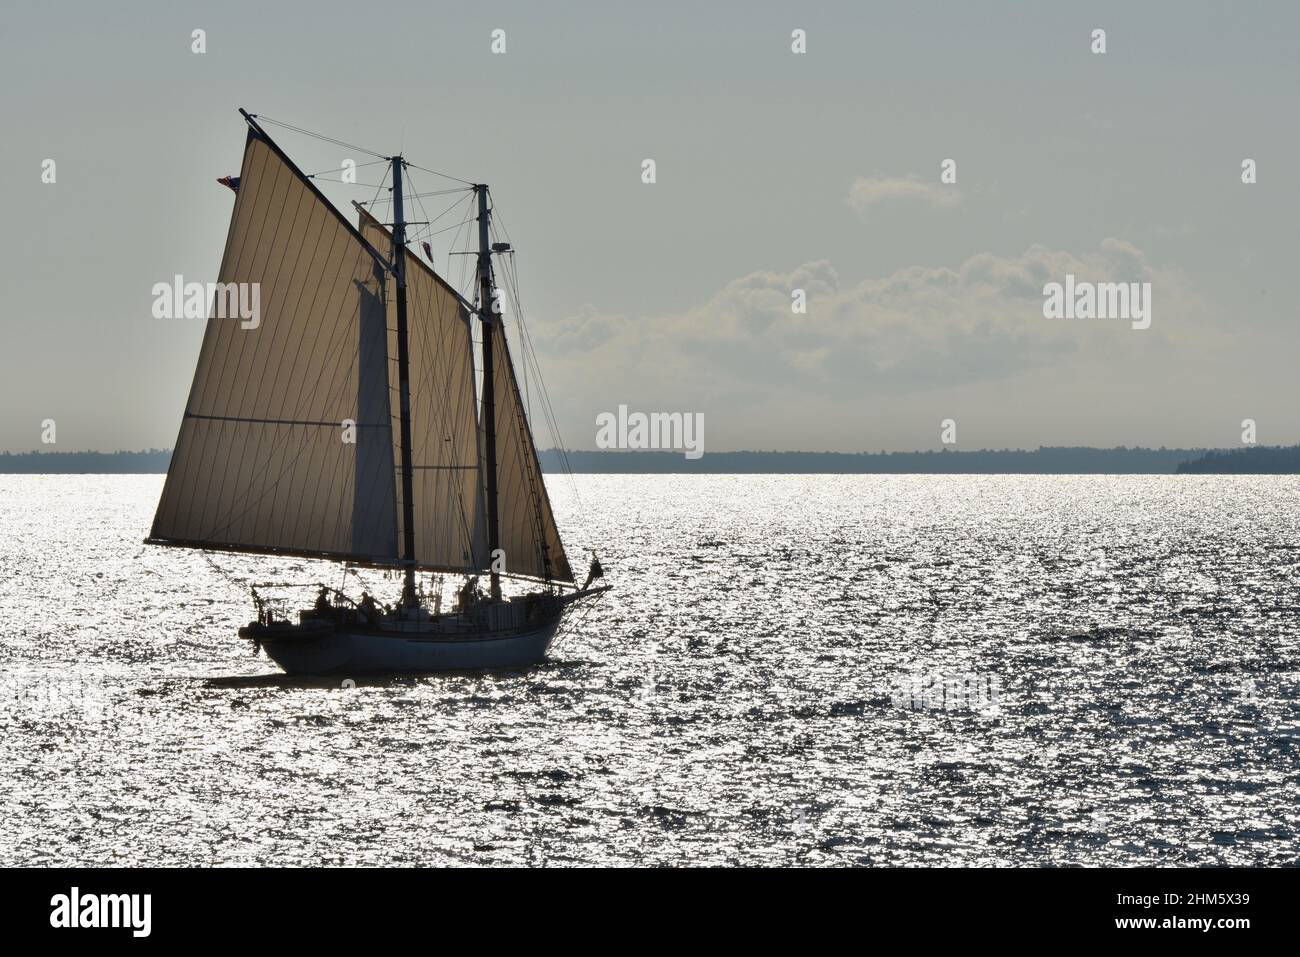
{"x":791,"y":670}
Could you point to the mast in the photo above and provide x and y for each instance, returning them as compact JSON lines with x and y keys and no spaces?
{"x":487,"y":314}
{"x":404,"y":388}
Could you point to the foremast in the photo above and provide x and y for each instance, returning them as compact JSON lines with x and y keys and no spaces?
{"x":404,"y":389}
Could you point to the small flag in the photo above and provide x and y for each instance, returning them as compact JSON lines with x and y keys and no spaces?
{"x":428,"y":251}
{"x":231,"y":181}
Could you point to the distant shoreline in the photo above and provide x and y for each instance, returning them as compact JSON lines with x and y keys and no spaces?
{"x":1047,"y":460}
{"x":148,"y":461}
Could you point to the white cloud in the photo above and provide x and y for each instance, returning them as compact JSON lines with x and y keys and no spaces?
{"x":920,"y":331}
{"x":868,"y":191}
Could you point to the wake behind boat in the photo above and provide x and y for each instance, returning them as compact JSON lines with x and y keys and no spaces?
{"x":346,"y":422}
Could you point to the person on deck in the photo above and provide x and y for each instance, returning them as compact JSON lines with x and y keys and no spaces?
{"x":368,"y":607}
{"x":468,"y":595}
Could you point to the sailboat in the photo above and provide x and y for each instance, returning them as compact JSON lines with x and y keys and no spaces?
{"x":347,"y":423}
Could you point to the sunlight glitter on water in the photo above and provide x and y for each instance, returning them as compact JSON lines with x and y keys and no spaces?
{"x":784,"y":674}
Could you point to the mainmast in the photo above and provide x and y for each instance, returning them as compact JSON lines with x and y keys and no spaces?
{"x":404,"y":388}
{"x":488,"y":315}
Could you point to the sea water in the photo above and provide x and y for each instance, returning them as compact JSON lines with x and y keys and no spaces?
{"x":790,"y":670}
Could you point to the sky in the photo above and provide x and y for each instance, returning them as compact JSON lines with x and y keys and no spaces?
{"x":775,"y":171}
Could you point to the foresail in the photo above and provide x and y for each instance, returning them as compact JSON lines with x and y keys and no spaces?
{"x":265,"y":460}
{"x":528,"y":533}
{"x":450,"y":527}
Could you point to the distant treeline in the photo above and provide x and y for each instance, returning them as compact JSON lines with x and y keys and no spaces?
{"x":1248,"y":460}
{"x":1041,"y":461}
{"x":1047,"y":460}
{"x":151,"y":460}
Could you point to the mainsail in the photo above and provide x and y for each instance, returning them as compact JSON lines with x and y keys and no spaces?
{"x":261,"y":463}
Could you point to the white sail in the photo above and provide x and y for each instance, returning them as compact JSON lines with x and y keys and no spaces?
{"x":290,"y":442}
{"x":262,"y":462}
{"x":450,"y":527}
{"x":528,"y":533}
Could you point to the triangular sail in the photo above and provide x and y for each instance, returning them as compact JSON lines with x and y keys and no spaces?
{"x":262,"y":462}
{"x":528,"y":533}
{"x":450,"y":528}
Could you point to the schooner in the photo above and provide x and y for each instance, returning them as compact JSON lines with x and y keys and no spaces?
{"x":357,"y":337}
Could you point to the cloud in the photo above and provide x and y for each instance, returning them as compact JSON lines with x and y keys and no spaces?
{"x":582,"y":331}
{"x":923,"y":329}
{"x":868,"y":191}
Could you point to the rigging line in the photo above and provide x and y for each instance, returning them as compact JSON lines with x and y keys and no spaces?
{"x":552,"y":423}
{"x":449,"y":209}
{"x":496,"y":216}
{"x":530,"y":356}
{"x":455,"y":240}
{"x":429,"y":222}
{"x":426,"y":232}
{"x":527,"y":453}
{"x":339,"y":182}
{"x":423,"y":212}
{"x":512,"y":287}
{"x":576,"y":625}
{"x":374,"y":162}
{"x":434,"y":192}
{"x":526,"y":348}
{"x":445,"y":228}
{"x":380,"y":188}
{"x":321,"y":136}
{"x":507,"y":269}
{"x":443,"y":175}
{"x":529,"y":353}
{"x":442,"y":192}
{"x":229,"y":579}
{"x":356,"y":573}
